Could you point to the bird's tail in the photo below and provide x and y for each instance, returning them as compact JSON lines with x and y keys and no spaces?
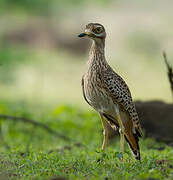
{"x":133,"y":142}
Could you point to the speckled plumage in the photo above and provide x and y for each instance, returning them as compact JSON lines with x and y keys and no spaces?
{"x":121,"y":95}
{"x":108,"y":93}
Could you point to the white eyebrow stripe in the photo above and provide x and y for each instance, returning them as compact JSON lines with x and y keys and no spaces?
{"x":98,"y":26}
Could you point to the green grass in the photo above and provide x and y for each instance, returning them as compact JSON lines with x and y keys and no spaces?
{"x":30,"y":152}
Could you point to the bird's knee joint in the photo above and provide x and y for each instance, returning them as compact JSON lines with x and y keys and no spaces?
{"x":121,"y":130}
{"x":105,"y":132}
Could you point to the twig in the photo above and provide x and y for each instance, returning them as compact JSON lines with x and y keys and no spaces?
{"x":170,"y":71}
{"x":35,"y":123}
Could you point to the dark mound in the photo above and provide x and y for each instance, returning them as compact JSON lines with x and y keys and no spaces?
{"x":156,"y":118}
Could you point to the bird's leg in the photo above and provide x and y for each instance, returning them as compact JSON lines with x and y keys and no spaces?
{"x":121,"y":131}
{"x":105,"y":132}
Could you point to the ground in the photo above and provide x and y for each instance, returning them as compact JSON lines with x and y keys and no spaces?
{"x":31,"y":152}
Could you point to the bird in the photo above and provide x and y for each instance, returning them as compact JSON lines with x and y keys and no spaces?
{"x":105,"y":91}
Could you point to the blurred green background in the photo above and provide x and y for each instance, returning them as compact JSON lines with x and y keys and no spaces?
{"x":42,"y":59}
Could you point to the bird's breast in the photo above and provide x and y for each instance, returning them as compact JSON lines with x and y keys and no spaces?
{"x":96,"y":95}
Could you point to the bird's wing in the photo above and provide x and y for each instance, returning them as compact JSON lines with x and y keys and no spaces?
{"x":120,"y":93}
{"x":83,"y":90}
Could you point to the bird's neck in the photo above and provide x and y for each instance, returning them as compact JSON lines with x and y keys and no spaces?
{"x":98,"y":45}
{"x":97,"y":54}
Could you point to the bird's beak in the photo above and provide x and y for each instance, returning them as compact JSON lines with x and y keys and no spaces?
{"x":86,"y":33}
{"x":82,"y":35}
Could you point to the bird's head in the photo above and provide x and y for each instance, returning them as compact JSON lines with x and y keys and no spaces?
{"x":94,"y":31}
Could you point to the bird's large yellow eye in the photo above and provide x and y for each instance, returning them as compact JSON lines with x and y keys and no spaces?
{"x":98,"y":30}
